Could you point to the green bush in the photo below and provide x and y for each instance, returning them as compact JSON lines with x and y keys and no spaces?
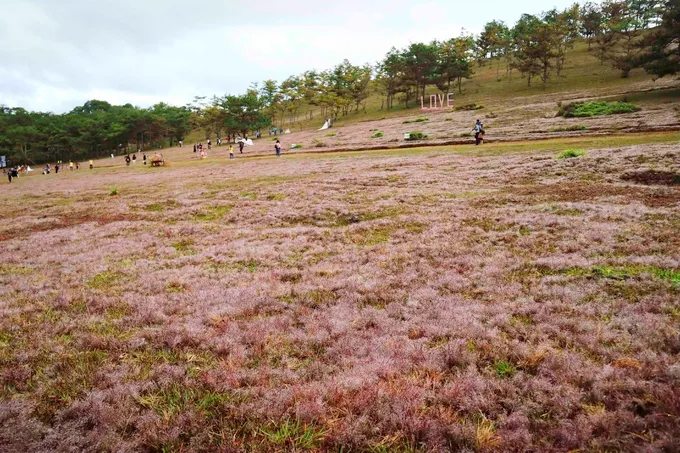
{"x":417,"y":120}
{"x":377,"y":135}
{"x":467,"y":107}
{"x":417,"y":135}
{"x":571,"y":153}
{"x":331,"y":134}
{"x":296,"y":147}
{"x":596,"y":108}
{"x":113,"y":192}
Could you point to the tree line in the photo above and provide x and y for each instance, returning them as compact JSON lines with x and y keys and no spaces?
{"x":623,"y":33}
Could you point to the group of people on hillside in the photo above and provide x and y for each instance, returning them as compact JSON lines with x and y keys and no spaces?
{"x":133,"y":159}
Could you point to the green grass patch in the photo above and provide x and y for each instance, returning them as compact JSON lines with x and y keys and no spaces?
{"x":276,"y":196}
{"x":104,"y":280}
{"x":330,"y":134}
{"x":292,"y":435}
{"x":596,"y":108}
{"x":448,"y":119}
{"x":113,"y":192}
{"x":570,"y":153}
{"x":14,"y":270}
{"x":298,"y":146}
{"x":171,"y":401}
{"x":416,"y":120}
{"x":213,"y":213}
{"x":377,"y":135}
{"x":183,"y":246}
{"x":504,"y":369}
{"x":249,"y":195}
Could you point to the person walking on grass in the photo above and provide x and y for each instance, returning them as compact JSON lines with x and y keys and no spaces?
{"x":91,"y":164}
{"x":194,"y":147}
{"x":231,"y":152}
{"x":277,"y":147}
{"x":70,"y":165}
{"x":241,"y":144}
{"x":144,"y":158}
{"x":127,"y":160}
{"x":56,"y":168}
{"x":479,"y":132}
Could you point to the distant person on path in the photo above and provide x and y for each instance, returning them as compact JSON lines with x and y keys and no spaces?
{"x":231,"y":152}
{"x":91,"y":164}
{"x":241,"y":144}
{"x":479,"y":132}
{"x":181,"y":143}
{"x":280,"y":131}
{"x":56,"y":168}
{"x":144,"y":158}
{"x":277,"y":147}
{"x":46,"y":170}
{"x":12,"y":173}
{"x":194,"y":147}
{"x":77,"y":165}
{"x":70,"y":165}
{"x":127,"y":160}
{"x":134,"y":158}
{"x":209,"y":144}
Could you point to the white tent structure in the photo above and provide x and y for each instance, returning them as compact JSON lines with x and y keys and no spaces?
{"x":326,"y":125}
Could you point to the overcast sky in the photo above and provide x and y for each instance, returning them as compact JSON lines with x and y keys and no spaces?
{"x":57,"y":54}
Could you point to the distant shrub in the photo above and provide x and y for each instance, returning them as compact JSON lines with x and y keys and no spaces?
{"x":468,"y":107}
{"x":377,"y":135}
{"x":296,"y":147}
{"x":491,"y":115}
{"x":417,"y":120}
{"x":113,"y":192}
{"x":319,"y":144}
{"x":448,"y":119}
{"x":417,"y":135}
{"x":596,"y":108}
{"x":570,"y":128}
{"x":331,"y":134}
{"x":465,"y":134}
{"x":571,"y":153}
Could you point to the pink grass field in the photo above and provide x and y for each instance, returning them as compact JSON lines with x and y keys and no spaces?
{"x":489,"y":299}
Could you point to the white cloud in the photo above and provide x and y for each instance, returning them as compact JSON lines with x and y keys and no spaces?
{"x":58,"y":54}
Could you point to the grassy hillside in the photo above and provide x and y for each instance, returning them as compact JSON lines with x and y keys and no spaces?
{"x":487,"y":87}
